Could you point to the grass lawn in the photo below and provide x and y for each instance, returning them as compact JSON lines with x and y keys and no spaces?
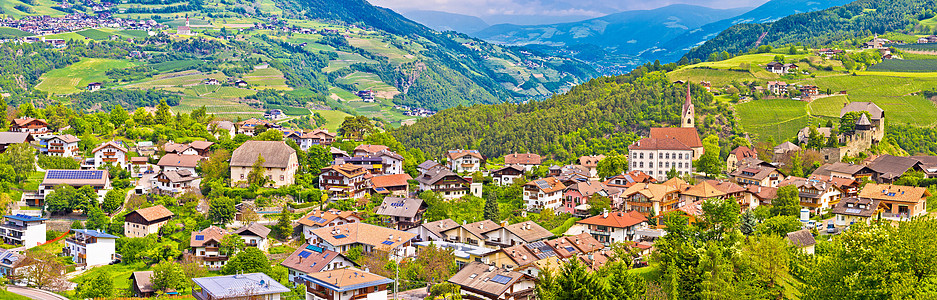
{"x":649,"y":273}
{"x":779,"y":119}
{"x":11,"y":296}
{"x":95,"y":34}
{"x":33,"y":180}
{"x":120,"y":273}
{"x":828,"y":106}
{"x":175,"y":65}
{"x":74,"y":78}
{"x":333,"y":118}
{"x":6,"y":32}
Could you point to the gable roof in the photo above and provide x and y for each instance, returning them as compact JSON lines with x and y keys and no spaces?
{"x":436,"y":174}
{"x":889,"y":166}
{"x":704,"y":190}
{"x":741,"y":152}
{"x":763,"y":192}
{"x":141,"y":279}
{"x":482,"y":227}
{"x":591,"y":161}
{"x":347,"y":170}
{"x":323,"y":218}
{"x":841,"y":167}
{"x":254,"y":229}
{"x":400,"y":207}
{"x":589,"y":188}
{"x":67,"y":138}
{"x":658,"y":144}
{"x":347,"y":279}
{"x":786,"y":147}
{"x":631,"y":178}
{"x":898,"y":193}
{"x":27,"y":120}
{"x":851,"y":206}
{"x":801,"y":238}
{"x":517,"y":168}
{"x":154,"y":213}
{"x":390,"y":180}
{"x":876,"y":112}
{"x":686,"y":135}
{"x":276,"y":154}
{"x":428,"y":164}
{"x":438,"y":227}
{"x":456,"y":154}
{"x":616,"y":219}
{"x":178,"y":175}
{"x":529,"y":231}
{"x":522,"y":159}
{"x":309,"y":259}
{"x":727,"y":187}
{"x":7,"y":138}
{"x":370,"y":148}
{"x":231,"y":286}
{"x":113,"y":144}
{"x":652,"y":191}
{"x":363,"y":233}
{"x":95,"y":233}
{"x":479,"y":278}
{"x":179,"y":160}
{"x":585,"y":242}
{"x":520,"y":255}
{"x":201,"y":145}
{"x":212,"y":233}
{"x":547,"y":185}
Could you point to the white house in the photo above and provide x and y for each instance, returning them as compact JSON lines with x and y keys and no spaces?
{"x":64,"y":145}
{"x":179,"y":162}
{"x":280,"y":162}
{"x":461,"y":161}
{"x":98,"y":179}
{"x":90,"y":247}
{"x":433,"y":231}
{"x":393,"y":162}
{"x":175,"y":181}
{"x":614,"y":227}
{"x":111,"y":153}
{"x":23,"y":230}
{"x":656,"y":157}
{"x":254,"y":235}
{"x":206,"y":247}
{"x":309,"y":259}
{"x":348,"y":283}
{"x":544,"y":193}
{"x":518,"y":234}
{"x":146,"y":221}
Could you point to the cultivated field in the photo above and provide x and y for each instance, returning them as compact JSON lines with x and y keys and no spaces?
{"x":778,"y":119}
{"x":74,"y":78}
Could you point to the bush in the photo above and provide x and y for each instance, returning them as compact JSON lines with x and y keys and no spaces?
{"x":56,"y":162}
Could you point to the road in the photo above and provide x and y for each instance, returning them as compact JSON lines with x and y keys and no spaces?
{"x":415,"y":294}
{"x":34,"y":293}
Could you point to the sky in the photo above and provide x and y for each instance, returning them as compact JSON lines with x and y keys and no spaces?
{"x":553,"y":8}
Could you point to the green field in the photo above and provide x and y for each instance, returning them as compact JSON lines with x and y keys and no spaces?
{"x":43,"y":7}
{"x":779,"y":119}
{"x":120,"y":273}
{"x":827,"y":106}
{"x":74,"y":78}
{"x":902,"y":65}
{"x":175,"y":65}
{"x":95,"y":34}
{"x":290,"y":110}
{"x":6,"y":33}
{"x":333,"y":118}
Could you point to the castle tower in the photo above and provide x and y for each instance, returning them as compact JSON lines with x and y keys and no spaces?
{"x":688,"y":119}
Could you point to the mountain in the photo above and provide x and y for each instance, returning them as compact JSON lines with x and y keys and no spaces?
{"x":858,"y":19}
{"x":627,"y":32}
{"x":768,"y":12}
{"x":444,"y":21}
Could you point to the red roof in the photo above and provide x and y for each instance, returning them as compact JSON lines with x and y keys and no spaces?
{"x":390,"y":180}
{"x":659,"y":144}
{"x":744,"y":152}
{"x":616,"y":219}
{"x":686,"y":135}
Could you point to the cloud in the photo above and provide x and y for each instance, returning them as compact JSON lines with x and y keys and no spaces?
{"x":589,"y":8}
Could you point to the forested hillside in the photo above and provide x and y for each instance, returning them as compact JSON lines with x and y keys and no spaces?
{"x":857,"y":19}
{"x":597,"y":117}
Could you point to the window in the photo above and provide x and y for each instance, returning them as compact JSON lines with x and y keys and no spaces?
{"x":242,"y":176}
{"x":642,"y":155}
{"x":282,"y":177}
{"x":650,"y":155}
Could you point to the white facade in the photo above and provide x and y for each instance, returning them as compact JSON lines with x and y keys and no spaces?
{"x":392,"y":165}
{"x":109,"y":154}
{"x":255,"y":241}
{"x":56,"y":146}
{"x":538,"y":200}
{"x":90,"y":247}
{"x":657,"y":163}
{"x":465,"y":164}
{"x":23,"y":230}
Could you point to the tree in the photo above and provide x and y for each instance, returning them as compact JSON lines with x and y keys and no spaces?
{"x":119,"y":116}
{"x":847,"y":123}
{"x":356,"y":128}
{"x":221,"y":210}
{"x":672,"y":173}
{"x":98,"y":285}
{"x":769,"y":258}
{"x":748,"y":223}
{"x":256,"y":175}
{"x":251,"y":260}
{"x":612,"y":165}
{"x":284,"y":227}
{"x":136,"y":249}
{"x":217,"y":165}
{"x":84,"y":199}
{"x":168,"y":275}
{"x":192,"y":268}
{"x":96,"y":219}
{"x":59,"y":201}
{"x":491,"y":208}
{"x":787,"y":202}
{"x":792,"y":50}
{"x":599,"y":204}
{"x":779,"y":225}
{"x":43,"y":270}
{"x":815,"y":139}
{"x":710,"y":163}
{"x":437,"y":207}
{"x":720,"y":215}
{"x":22,"y":157}
{"x":269,"y":135}
{"x":163,"y":115}
{"x":231,"y":244}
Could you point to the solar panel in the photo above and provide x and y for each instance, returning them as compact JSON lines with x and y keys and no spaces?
{"x":570,"y":249}
{"x":326,"y":256}
{"x":501,"y":279}
{"x":387,"y":242}
{"x":340,"y":236}
{"x":853,"y":211}
{"x":304,"y":254}
{"x":199,"y":237}
{"x":315,"y":248}
{"x":543,"y":184}
{"x":75,"y":174}
{"x":316,"y":219}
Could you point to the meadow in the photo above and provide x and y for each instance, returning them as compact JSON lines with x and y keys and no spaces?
{"x":779,"y":119}
{"x":74,"y":78}
{"x":903,"y":65}
{"x":333,"y":118}
{"x":6,"y":32}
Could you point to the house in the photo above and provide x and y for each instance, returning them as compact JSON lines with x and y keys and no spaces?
{"x":570,"y":174}
{"x":254,"y":235}
{"x":222,"y":127}
{"x":853,"y":210}
{"x":756,"y":195}
{"x":395,"y":185}
{"x":777,"y":87}
{"x":90,"y":247}
{"x":516,"y":258}
{"x":752,"y":171}
{"x":658,"y":156}
{"x":612,"y":227}
{"x":517,"y":234}
{"x":464,"y":161}
{"x":206,"y":247}
{"x":738,"y":154}
{"x":706,"y":85}
{"x":584,"y":243}
{"x":928,"y":165}
{"x":433,"y":231}
{"x":576,"y":197}
{"x":479,"y":281}
{"x":784,"y":148}
{"x":200,"y":148}
{"x":544,"y":193}
{"x":23,"y":230}
{"x":146,"y":221}
{"x":445,"y":182}
{"x":368,"y":150}
{"x":876,"y":116}
{"x":179,"y":162}
{"x":809,"y":91}
{"x":373,"y":165}
{"x":829,"y":53}
{"x":875,"y":43}
{"x":249,"y":126}
{"x":817,"y":194}
{"x":210,"y":81}
{"x":526,"y":160}
{"x":318,"y":218}
{"x":29,"y":125}
{"x":10,"y":138}
{"x":653,"y":199}
{"x":591,"y":164}
{"x":736,"y":191}
{"x":897,"y":202}
{"x":311,"y":259}
{"x":347,"y":283}
{"x":472,"y":233}
{"x":701,"y":192}
{"x":803,"y":240}
{"x":173,"y":182}
{"x":845,"y":170}
{"x":889,"y":168}
{"x":341,"y":238}
{"x":428,"y":165}
{"x":238,"y":286}
{"x":279,"y":162}
{"x":111,"y":153}
{"x":240,"y":83}
{"x":464,"y":253}
{"x":803,"y":136}
{"x":780,"y":68}
{"x":94,"y":86}
{"x":141,"y":284}
{"x":11,"y":263}
{"x":98,"y":179}
{"x":402,"y":213}
{"x":345,"y":181}
{"x":393,"y":162}
{"x":686,"y":135}
{"x":65,"y":145}
{"x":507,"y":175}
{"x":306,"y":140}
{"x":274,"y":114}
{"x":624,"y":181}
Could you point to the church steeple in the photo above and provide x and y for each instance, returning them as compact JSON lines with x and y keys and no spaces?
{"x":688,"y":119}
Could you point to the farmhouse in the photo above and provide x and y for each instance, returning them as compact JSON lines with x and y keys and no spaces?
{"x":279,"y":162}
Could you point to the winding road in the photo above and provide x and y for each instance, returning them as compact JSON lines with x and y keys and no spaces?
{"x":34,"y":293}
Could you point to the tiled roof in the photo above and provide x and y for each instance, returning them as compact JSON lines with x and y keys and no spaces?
{"x":179,"y":175}
{"x":363,"y":233}
{"x":348,"y":279}
{"x":370,"y":148}
{"x":478,"y":277}
{"x":390,"y":180}
{"x":589,"y":188}
{"x":400,"y":207}
{"x":726,"y":186}
{"x":436,"y":174}
{"x":438,"y":227}
{"x":254,"y":229}
{"x":426,"y":165}
{"x":889,"y":166}
{"x":547,"y":185}
{"x":591,"y":161}
{"x":686,"y":135}
{"x":153,"y":213}
{"x":899,"y":193}
{"x":876,"y":112}
{"x":179,"y":160}
{"x":7,"y":138}
{"x":741,"y":152}
{"x":309,"y":259}
{"x":212,"y":233}
{"x":68,"y":138}
{"x":113,"y":144}
{"x":522,"y":159}
{"x":520,"y":255}
{"x":860,"y":207}
{"x":786,"y":147}
{"x":801,"y":238}
{"x":585,"y":242}
{"x":652,"y":191}
{"x":347,"y":170}
{"x":840,"y":167}
{"x":529,"y":231}
{"x":482,"y":227}
{"x":27,"y":120}
{"x":323,"y":218}
{"x":704,"y":190}
{"x":563,"y":247}
{"x":276,"y":154}
{"x":142,"y":281}
{"x":631,"y":178}
{"x":658,"y":144}
{"x":616,"y":219}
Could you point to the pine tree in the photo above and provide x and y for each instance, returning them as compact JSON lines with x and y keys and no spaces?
{"x":748,"y":223}
{"x":491,"y":208}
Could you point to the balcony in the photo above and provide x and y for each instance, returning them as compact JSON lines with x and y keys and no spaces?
{"x":214,"y":258}
{"x":13,"y":226}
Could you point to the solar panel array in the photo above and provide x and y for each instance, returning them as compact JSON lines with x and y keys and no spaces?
{"x":340,"y":236}
{"x":199,"y":237}
{"x":387,"y":242}
{"x":304,"y":254}
{"x":74,"y":174}
{"x":397,"y":204}
{"x":501,"y":279}
{"x":570,"y":249}
{"x":853,"y":211}
{"x":543,"y":184}
{"x":316,"y":219}
{"x":315,"y":248}
{"x":544,"y":250}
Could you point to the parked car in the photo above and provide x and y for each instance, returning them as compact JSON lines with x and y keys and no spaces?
{"x":811,"y":224}
{"x":830,"y":228}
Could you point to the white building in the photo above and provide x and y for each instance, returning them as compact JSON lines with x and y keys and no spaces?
{"x":175,"y":181}
{"x":98,"y":179}
{"x":544,"y":193}
{"x":90,"y":247}
{"x":23,"y":230}
{"x":254,"y":235}
{"x":206,"y":247}
{"x":62,"y":145}
{"x":146,"y":221}
{"x":309,"y":259}
{"x":656,"y":157}
{"x":393,"y":162}
{"x":280,"y":162}
{"x":110,"y":153}
{"x":615,"y":227}
{"x":464,"y":161}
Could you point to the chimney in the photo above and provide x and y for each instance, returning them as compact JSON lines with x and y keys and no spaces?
{"x":604,"y":213}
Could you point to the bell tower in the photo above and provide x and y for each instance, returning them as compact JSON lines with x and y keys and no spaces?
{"x":688,"y":118}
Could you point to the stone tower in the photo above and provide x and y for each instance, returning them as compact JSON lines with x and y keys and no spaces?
{"x":688,"y":119}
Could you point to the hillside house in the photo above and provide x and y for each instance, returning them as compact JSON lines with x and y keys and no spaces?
{"x":341,"y":238}
{"x":401,"y":213}
{"x":738,"y":154}
{"x":344,"y":181}
{"x":752,"y":171}
{"x":280,"y":162}
{"x":395,"y":185}
{"x":141,"y":284}
{"x":778,"y":88}
{"x":433,"y":231}
{"x":174,"y":182}
{"x":472,"y":233}
{"x":507,"y":175}
{"x":517,"y":234}
{"x":200,"y":148}
{"x":478,"y":281}
{"x":817,"y":194}
{"x":346,"y":283}
{"x":852,"y":210}
{"x":179,"y":162}
{"x":146,"y":221}
{"x":11,"y":138}
{"x":311,"y":259}
{"x":612,"y":227}
{"x":90,"y":247}
{"x":897,"y":202}
{"x":98,"y":179}
{"x":29,"y":125}
{"x":445,"y":182}
{"x":528,"y":161}
{"x":65,"y":145}
{"x":111,"y":153}
{"x":591,"y":164}
{"x":23,"y":230}
{"x":206,"y":245}
{"x":657,"y":156}
{"x":803,"y":240}
{"x":576,"y":197}
{"x":544,"y":193}
{"x":464,"y":161}
{"x":651,"y":199}
{"x":368,"y":150}
{"x":94,"y":86}
{"x":780,"y":68}
{"x":318,"y":219}
{"x":234,"y":287}
{"x":249,"y":126}
{"x":254,"y":235}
